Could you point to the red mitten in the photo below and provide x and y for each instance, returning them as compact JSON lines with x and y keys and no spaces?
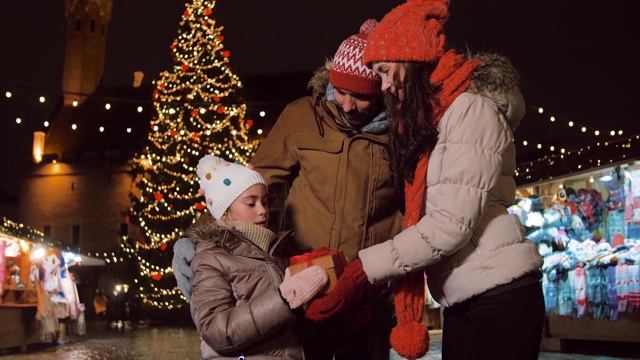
{"x":352,"y":286}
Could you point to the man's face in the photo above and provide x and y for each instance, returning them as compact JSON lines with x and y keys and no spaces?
{"x":357,"y":108}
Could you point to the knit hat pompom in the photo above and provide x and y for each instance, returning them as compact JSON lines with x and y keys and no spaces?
{"x":412,"y":31}
{"x":223,"y":182}
{"x":410,"y":340}
{"x":367,"y":26}
{"x":348,"y":72}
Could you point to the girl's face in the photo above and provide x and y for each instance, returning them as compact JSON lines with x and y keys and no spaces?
{"x":392,"y":75}
{"x":250,"y":206}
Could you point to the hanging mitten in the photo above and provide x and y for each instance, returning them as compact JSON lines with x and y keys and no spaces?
{"x":183,"y":252}
{"x":352,"y":286}
{"x":581,"y":291}
{"x":303,"y":286}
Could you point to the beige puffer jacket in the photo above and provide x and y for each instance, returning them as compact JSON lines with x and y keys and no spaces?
{"x":467,"y":243}
{"x":236,"y":305}
{"x":340,"y":195}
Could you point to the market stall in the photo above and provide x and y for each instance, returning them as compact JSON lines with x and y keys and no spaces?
{"x":38,"y":298}
{"x":587,"y":227}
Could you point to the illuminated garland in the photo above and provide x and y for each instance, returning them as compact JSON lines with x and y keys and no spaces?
{"x":602,"y":153}
{"x":28,"y":233}
{"x":197,"y":111}
{"x":582,"y":129}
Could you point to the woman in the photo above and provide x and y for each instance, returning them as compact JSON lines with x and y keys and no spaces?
{"x":452,"y":153}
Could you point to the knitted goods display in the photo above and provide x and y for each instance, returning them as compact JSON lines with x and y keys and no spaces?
{"x":221,"y":182}
{"x":410,"y":32}
{"x":410,"y":337}
{"x":348,"y":72}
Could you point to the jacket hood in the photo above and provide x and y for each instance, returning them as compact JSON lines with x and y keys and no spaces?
{"x":320,"y":79}
{"x":205,"y":229}
{"x":497,"y":79}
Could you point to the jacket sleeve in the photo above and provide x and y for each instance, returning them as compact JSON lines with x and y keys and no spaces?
{"x":225,"y":324}
{"x":276,"y":159}
{"x":464,"y":166}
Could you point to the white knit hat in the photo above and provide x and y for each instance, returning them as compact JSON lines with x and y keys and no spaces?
{"x":222,"y":182}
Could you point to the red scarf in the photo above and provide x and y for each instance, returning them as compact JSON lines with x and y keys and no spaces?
{"x":410,"y":337}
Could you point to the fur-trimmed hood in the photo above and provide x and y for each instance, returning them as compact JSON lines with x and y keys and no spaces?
{"x":320,"y":79}
{"x":497,"y":79}
{"x":208,"y":232}
{"x":205,"y":229}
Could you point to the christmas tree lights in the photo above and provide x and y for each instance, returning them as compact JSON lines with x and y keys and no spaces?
{"x":198,"y":111}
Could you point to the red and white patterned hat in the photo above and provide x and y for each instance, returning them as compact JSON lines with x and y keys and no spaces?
{"x":348,"y":71}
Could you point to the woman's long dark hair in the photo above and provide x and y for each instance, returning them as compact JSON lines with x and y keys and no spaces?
{"x":413,"y":131}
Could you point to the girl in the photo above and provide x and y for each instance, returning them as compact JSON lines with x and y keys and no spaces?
{"x":240,"y":304}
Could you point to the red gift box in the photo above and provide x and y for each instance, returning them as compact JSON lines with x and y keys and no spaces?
{"x":332,"y":261}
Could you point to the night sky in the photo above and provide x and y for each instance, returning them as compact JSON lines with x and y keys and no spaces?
{"x":575,"y":56}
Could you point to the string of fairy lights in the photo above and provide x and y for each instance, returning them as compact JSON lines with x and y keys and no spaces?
{"x":216,"y":104}
{"x":197,"y":112}
{"x":626,"y":149}
{"x":580,"y":129}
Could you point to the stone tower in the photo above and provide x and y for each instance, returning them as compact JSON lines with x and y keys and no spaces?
{"x":86,"y":43}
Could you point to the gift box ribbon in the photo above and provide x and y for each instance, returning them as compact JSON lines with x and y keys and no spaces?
{"x":309,"y":256}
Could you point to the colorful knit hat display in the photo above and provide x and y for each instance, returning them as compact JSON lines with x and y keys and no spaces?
{"x":222,"y":182}
{"x":410,"y":32}
{"x":348,"y":72}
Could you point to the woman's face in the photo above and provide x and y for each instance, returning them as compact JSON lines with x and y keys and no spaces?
{"x":392,"y":75}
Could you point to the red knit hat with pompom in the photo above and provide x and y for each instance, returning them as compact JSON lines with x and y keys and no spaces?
{"x":410,"y":32}
{"x":348,"y":72}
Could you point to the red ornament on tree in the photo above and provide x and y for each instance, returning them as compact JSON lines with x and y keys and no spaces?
{"x":220,"y":37}
{"x":185,"y":67}
{"x":207,"y":11}
{"x":158,"y":196}
{"x":156,"y":276}
{"x":199,"y":206}
{"x":194,"y":112}
{"x":174,"y":133}
{"x":173,"y":46}
{"x":220,"y":109}
{"x":186,"y":14}
{"x":163,"y":247}
{"x":186,"y":160}
{"x":216,"y":98}
{"x":249,"y":123}
{"x":195,"y":137}
{"x":226,"y":53}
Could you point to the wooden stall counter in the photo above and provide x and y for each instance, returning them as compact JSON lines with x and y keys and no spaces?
{"x":19,"y":326}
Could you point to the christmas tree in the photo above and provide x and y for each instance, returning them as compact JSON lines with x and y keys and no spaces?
{"x":198,"y":111}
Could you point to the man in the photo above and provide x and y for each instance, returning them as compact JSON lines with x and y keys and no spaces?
{"x":327,"y":149}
